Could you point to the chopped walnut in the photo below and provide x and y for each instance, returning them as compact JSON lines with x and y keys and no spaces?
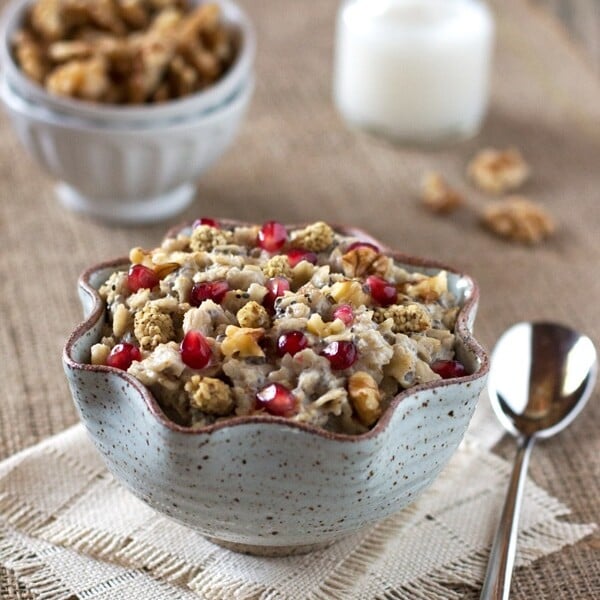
{"x":278,"y":266}
{"x":316,"y":237}
{"x":429,"y":289}
{"x":121,"y":320}
{"x":153,"y":50}
{"x":152,"y":326}
{"x":498,"y":171}
{"x":363,"y":260}
{"x":47,"y":20}
{"x":205,"y":238}
{"x":242,"y":341}
{"x":317,"y":326}
{"x":365,"y":397}
{"x":409,"y":318}
{"x":85,"y":79}
{"x":349,"y":292}
{"x":518,"y":219}
{"x":209,"y":395}
{"x":253,"y":315}
{"x":438,"y":196}
{"x":30,"y":56}
{"x":99,"y":354}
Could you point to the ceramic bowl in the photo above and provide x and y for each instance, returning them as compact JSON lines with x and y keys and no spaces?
{"x":147,"y":115}
{"x":263,"y":484}
{"x":128,"y":175}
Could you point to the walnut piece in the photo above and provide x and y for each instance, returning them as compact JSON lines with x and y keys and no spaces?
{"x":318,"y":327}
{"x":498,"y":171}
{"x":365,"y":397}
{"x":252,"y":315}
{"x":152,"y":327}
{"x":518,"y":219}
{"x":438,"y":196}
{"x":429,"y":289}
{"x":362,"y":261}
{"x":242,"y":341}
{"x":409,"y":318}
{"x":209,"y":395}
{"x":153,"y":50}
{"x":316,"y":237}
{"x":30,"y":56}
{"x":85,"y":79}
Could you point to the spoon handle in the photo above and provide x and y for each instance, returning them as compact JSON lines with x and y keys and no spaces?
{"x":502,"y":557}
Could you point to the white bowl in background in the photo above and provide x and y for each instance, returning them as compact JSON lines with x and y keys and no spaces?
{"x":209,"y":99}
{"x":128,"y":175}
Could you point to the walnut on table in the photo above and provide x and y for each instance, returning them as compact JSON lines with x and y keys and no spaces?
{"x":438,"y":196}
{"x":518,"y":219}
{"x":498,"y":171}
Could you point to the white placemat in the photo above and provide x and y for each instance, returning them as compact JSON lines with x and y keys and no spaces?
{"x":68,"y":528}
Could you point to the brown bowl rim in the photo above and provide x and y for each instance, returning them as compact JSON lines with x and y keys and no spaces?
{"x":151,"y":403}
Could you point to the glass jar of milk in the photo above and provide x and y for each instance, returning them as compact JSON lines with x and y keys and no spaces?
{"x":414,"y":70}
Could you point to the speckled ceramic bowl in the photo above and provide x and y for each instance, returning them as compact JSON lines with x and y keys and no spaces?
{"x":262,"y":484}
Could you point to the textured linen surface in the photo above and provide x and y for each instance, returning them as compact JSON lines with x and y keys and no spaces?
{"x":295,"y":160}
{"x":58,"y":494}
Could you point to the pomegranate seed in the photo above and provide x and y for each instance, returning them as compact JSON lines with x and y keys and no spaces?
{"x":208,"y":290}
{"x":362,"y":245}
{"x":341,"y":355}
{"x":298,"y":254}
{"x":291,"y":342}
{"x":195,"y":351}
{"x":382,"y":291}
{"x":122,"y":355}
{"x":276,"y":287}
{"x":272,"y":236}
{"x":344,"y":313}
{"x":206,"y":221}
{"x":141,"y":277}
{"x":277,"y":400}
{"x":448,"y":369}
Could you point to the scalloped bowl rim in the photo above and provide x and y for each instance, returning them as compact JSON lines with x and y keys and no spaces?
{"x":461,"y":330}
{"x":132,"y":115}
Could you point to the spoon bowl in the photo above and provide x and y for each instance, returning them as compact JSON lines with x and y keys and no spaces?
{"x":541,"y":376}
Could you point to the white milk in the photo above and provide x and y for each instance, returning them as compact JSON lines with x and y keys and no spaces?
{"x":416,"y":70}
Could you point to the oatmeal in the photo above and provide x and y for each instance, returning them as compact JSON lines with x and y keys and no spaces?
{"x":306,"y":324}
{"x":124,"y":51}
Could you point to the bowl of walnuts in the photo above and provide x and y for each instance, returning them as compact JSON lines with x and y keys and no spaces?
{"x":126,"y":102}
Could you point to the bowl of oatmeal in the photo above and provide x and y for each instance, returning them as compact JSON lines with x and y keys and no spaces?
{"x":128,"y":61}
{"x":275,"y":387}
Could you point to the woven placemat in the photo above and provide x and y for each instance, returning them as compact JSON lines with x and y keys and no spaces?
{"x":295,"y":160}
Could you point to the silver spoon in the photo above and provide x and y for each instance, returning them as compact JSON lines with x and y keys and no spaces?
{"x":541,"y":376}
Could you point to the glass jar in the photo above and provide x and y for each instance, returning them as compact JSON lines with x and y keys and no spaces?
{"x":414,"y":70}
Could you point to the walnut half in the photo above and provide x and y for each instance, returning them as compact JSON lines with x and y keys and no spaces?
{"x":437,"y":196}
{"x":498,"y":171}
{"x":518,"y":219}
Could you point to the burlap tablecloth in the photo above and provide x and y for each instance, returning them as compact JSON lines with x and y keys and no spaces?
{"x":296,"y":161}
